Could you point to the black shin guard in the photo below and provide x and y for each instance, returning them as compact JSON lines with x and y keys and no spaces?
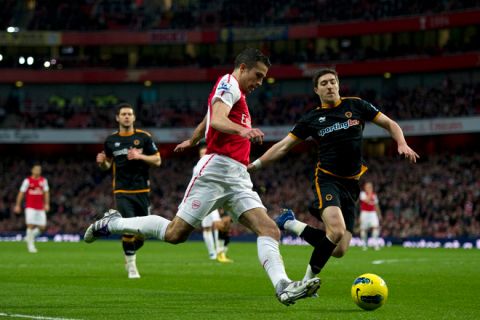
{"x":128,"y":242}
{"x":321,"y":254}
{"x":313,"y":236}
{"x":139,"y":241}
{"x":225,"y":237}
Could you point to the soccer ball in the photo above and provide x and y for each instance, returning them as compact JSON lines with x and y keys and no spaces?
{"x":369,"y":291}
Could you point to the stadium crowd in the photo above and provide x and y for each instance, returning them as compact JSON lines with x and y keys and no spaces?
{"x":450,"y":99}
{"x":91,"y":15}
{"x":439,"y":197}
{"x":190,"y":14}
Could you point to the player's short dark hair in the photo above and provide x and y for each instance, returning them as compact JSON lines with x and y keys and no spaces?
{"x":322,"y":72}
{"x":250,"y":57}
{"x":123,"y":105}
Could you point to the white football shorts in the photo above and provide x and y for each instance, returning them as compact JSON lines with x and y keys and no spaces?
{"x":35,"y":217}
{"x":218,"y":182}
{"x":368,"y":219}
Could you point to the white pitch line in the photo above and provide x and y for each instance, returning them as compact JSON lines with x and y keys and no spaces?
{"x":26,"y":316}
{"x":397,"y":260}
{"x":384,"y":261}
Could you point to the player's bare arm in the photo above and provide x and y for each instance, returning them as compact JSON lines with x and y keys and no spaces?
{"x":197,"y":135}
{"x":18,"y":203}
{"x":136,"y":154}
{"x":46,"y":197}
{"x":277,"y":151}
{"x":397,"y":134}
{"x":221,"y":122}
{"x":103,"y":161}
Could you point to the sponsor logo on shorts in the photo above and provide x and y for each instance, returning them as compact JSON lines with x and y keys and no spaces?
{"x":196,"y":204}
{"x":328,"y":197}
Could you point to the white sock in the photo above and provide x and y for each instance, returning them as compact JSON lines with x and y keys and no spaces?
{"x":363,"y":235}
{"x":215,"y":236}
{"x":131,"y":259}
{"x":221,"y":246}
{"x":271,"y":260}
{"x":29,"y":237}
{"x":375,"y":234}
{"x":208,"y":238}
{"x":150,"y":226}
{"x":36,"y":232}
{"x":295,"y":226}
{"x":309,"y":273}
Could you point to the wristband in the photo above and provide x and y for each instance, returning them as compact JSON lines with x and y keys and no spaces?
{"x":257,"y":164}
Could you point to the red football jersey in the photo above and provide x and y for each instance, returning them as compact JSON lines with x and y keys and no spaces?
{"x":368,"y":201}
{"x":34,"y":189}
{"x":230,"y":145}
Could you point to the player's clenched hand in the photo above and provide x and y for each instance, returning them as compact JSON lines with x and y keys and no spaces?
{"x":134,"y":154}
{"x":408,"y":152}
{"x":253,"y":134}
{"x":101,"y":157}
{"x":182,"y":146}
{"x":17,"y":209}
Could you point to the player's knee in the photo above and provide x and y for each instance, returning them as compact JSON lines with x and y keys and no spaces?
{"x":176,"y":238}
{"x":336,"y":234}
{"x":339,"y":252}
{"x":270,"y":231}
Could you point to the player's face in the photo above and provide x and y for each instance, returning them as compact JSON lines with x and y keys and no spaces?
{"x":368,"y":187}
{"x":36,"y":171}
{"x":126,"y":117}
{"x":250,"y":79}
{"x":328,"y":89}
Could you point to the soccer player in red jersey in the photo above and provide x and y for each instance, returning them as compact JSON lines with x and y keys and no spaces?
{"x":37,"y":202}
{"x":369,"y":215}
{"x":221,"y":179}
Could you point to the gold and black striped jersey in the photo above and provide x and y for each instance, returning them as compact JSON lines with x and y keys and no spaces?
{"x":338,"y":132}
{"x":130,"y":176}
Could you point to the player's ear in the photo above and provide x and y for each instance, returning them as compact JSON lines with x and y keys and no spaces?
{"x":243,"y":67}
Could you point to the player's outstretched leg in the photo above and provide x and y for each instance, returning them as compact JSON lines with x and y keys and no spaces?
{"x":99,"y":228}
{"x":175,"y":231}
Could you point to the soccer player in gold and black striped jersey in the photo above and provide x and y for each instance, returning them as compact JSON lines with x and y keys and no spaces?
{"x":130,"y":152}
{"x":337,"y":128}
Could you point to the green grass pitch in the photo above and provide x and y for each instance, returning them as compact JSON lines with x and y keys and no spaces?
{"x":80,"y":281}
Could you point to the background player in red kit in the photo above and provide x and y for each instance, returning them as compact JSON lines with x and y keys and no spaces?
{"x":37,"y":203}
{"x":369,"y":215}
{"x":220,"y":179}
